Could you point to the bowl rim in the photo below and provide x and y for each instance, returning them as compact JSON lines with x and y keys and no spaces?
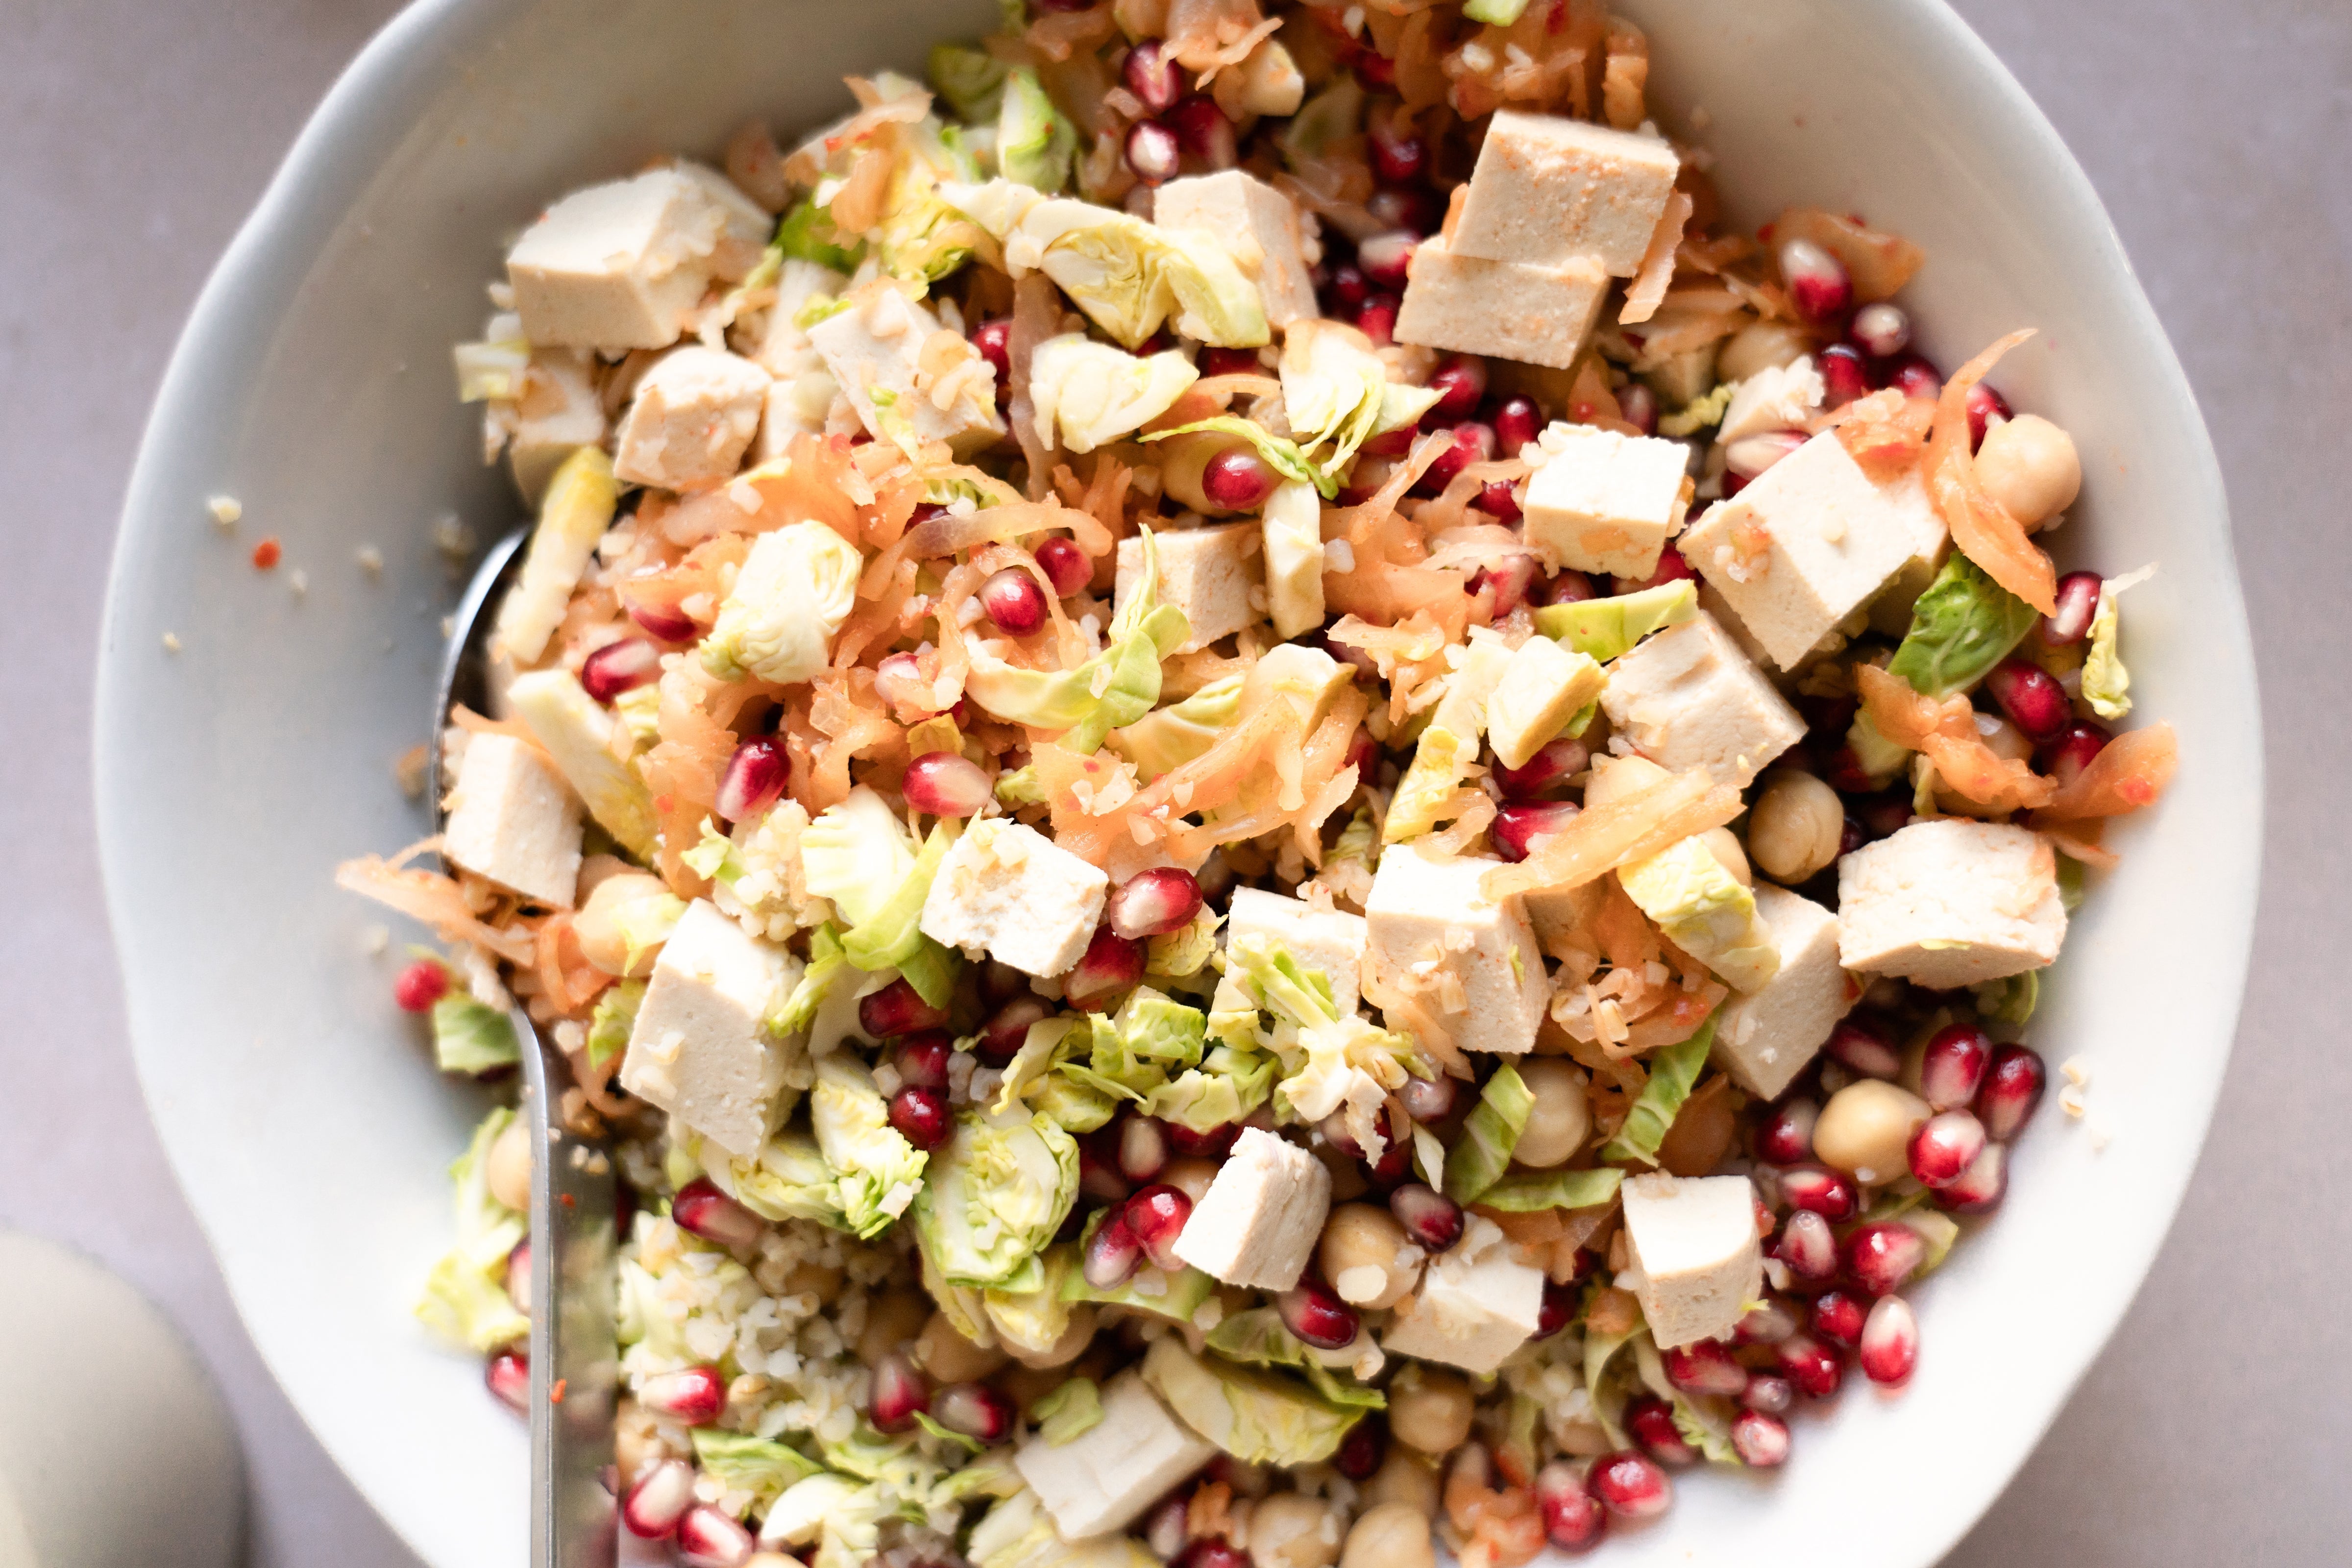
{"x":344,"y":141}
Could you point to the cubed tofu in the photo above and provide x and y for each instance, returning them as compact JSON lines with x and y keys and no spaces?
{"x":1687,"y":698}
{"x":1543,"y":687}
{"x":1103,"y":1481}
{"x":1765,"y":1039}
{"x":1547,"y":187}
{"x":1784,"y":398}
{"x":790,"y":408}
{"x":558,"y":413}
{"x":691,"y":420}
{"x":1474,"y":963}
{"x":879,"y":351}
{"x":1215,"y":575}
{"x":1257,"y":1224}
{"x":1696,"y":1263}
{"x":1009,"y":889}
{"x":746,"y":226}
{"x":1833,"y":536}
{"x":1255,"y":223}
{"x":1477,"y":1304}
{"x":1329,"y":942}
{"x":700,"y":1048}
{"x":618,"y":266}
{"x":1604,"y":501}
{"x":1533,"y":314}
{"x":783,"y":349}
{"x":513,"y":819}
{"x":1949,"y":903}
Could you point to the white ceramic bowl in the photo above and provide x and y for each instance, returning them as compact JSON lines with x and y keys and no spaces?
{"x":314,"y":384}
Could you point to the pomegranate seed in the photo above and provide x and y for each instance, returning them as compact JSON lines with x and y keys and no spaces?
{"x":1705,"y":1366}
{"x":1890,"y":1343}
{"x":1952,"y":1068}
{"x":1349,"y":289}
{"x":659,"y":1500}
{"x":1428,"y":1099}
{"x":1772,"y":1395}
{"x":1399,"y":156}
{"x":709,"y":1538}
{"x":1945,"y":1146}
{"x":1163,"y":1528}
{"x":1318,"y":1317}
{"x":1786,"y":1137}
{"x":508,"y":1376}
{"x":899,"y":1394}
{"x":1214,"y":1552}
{"x":1428,"y":1216}
{"x":1008,"y":1027}
{"x":1230,"y":361}
{"x":1460,"y":383}
{"x":1837,"y":1318}
{"x":923,"y":1058}
{"x":1501,"y":503}
{"x":1396,"y":1153}
{"x":1573,"y":1518}
{"x":1818,"y":284}
{"x":2032,"y":697}
{"x":1516,"y":829}
{"x":1214,"y":1144}
{"x":1985,"y":406}
{"x":1557,"y":1309}
{"x":1980,"y":1188}
{"x":705,"y":1210}
{"x":2078,"y":605}
{"x":1810,"y":1366}
{"x":1099,"y":1175}
{"x":1914,"y":375}
{"x":754,"y":780}
{"x":1817,"y":1189}
{"x":1672,"y":568}
{"x":1807,"y":1246}
{"x":419,"y":985}
{"x":1112,"y":1253}
{"x":1506,"y":584}
{"x":1361,"y":1451}
{"x":1393,"y":443}
{"x":619,"y":667}
{"x":975,"y":1410}
{"x":1864,"y":1046}
{"x":1570,"y":589}
{"x":1377,"y":320}
{"x":1761,"y":1440}
{"x":920,"y":1114}
{"x":1881,"y":1256}
{"x":693,"y":1397}
{"x":2013,"y":1088}
{"x":1204,"y":132}
{"x":1845,"y":377}
{"x":994,"y":341}
{"x":942,"y":784}
{"x":1630,"y":1486}
{"x":1155,"y":1217}
{"x":899,"y":681}
{"x":1014,"y":602}
{"x":1550,"y":769}
{"x":1387,"y":260}
{"x":1768,"y":1322}
{"x":1751,"y":455}
{"x":1472,"y":443}
{"x":1882,"y":329}
{"x":896,"y":1009}
{"x":1153,"y":77}
{"x":1142,"y":1149}
{"x":1238,"y":480}
{"x":1000,"y":982}
{"x":1363,"y":752}
{"x":1649,"y":1421}
{"x":1065,"y":565}
{"x":1516,"y":422}
{"x":1375,"y":70}
{"x":519,"y":1275}
{"x":1110,"y":969}
{"x":665,"y":622}
{"x":1153,"y":152}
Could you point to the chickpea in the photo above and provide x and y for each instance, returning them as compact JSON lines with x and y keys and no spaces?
{"x":1865,"y":1130}
{"x":1728,"y":852}
{"x":891,"y":1320}
{"x":1560,"y":1120}
{"x":2031,"y":467}
{"x":818,"y":1279}
{"x":1762,"y":346}
{"x":1430,"y":1410}
{"x":1393,"y":1535}
{"x":1407,"y":1478}
{"x":507,"y":1167}
{"x":1289,"y":1530}
{"x":602,"y":942}
{"x":1795,"y":827}
{"x":1194,"y":1176}
{"x":1066,"y":1349}
{"x":1358,"y":1255}
{"x":947,"y":1356}
{"x":1614,"y":778}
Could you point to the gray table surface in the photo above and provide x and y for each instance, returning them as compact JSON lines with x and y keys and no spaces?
{"x":135,"y":136}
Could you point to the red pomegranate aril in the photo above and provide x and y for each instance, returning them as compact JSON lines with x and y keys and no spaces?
{"x":1985,"y":406}
{"x":1142,"y":1149}
{"x":1204,"y":132}
{"x":2065,"y":755}
{"x":922,"y":1059}
{"x":1110,"y":968}
{"x":619,"y":667}
{"x":1361,"y":1451}
{"x":1376,"y":319}
{"x":1460,"y":383}
{"x":896,"y":1009}
{"x":1629,"y":1485}
{"x":1100,"y":1181}
{"x":1000,"y":983}
{"x":1155,"y":1217}
{"x":1945,"y":1146}
{"x":1915,"y":376}
{"x":1573,"y":1520}
{"x":1229,"y":361}
{"x":1014,"y":602}
{"x":1845,"y":375}
{"x":1952,"y":1067}
{"x":1890,"y":1344}
{"x":1705,"y":1366}
{"x":1214,"y":1144}
{"x":1810,"y":1366}
{"x":1065,"y":565}
{"x":1152,"y":76}
{"x":1349,"y":287}
{"x":1428,"y":1101}
{"x":1881,"y":1256}
{"x":1238,"y":480}
{"x":1649,"y":1421}
{"x":901,"y":1392}
{"x":1008,"y":1029}
{"x":693,"y":1397}
{"x":1638,"y":407}
{"x":1517,"y":828}
{"x":1428,"y":1216}
{"x":519,"y":1275}
{"x":1837,"y":1318}
{"x":508,"y":1375}
{"x":1153,"y":153}
{"x":1980,"y":1188}
{"x":1672,"y":568}
{"x":1863,"y":1046}
{"x":1407,"y":207}
{"x":1817,"y":1189}
{"x":666,"y":622}
{"x":1557,"y":1307}
{"x":1550,"y":769}
{"x":1112,"y":1253}
{"x":709,"y":1538}
{"x":2078,"y":606}
{"x":919,"y":1112}
{"x":942,"y":784}
{"x":1386,"y":259}
{"x":705,"y":1210}
{"x":2032,"y":697}
{"x":1881,"y":330}
{"x":1505,"y":584}
{"x":1214,"y":1552}
{"x":1570,"y":589}
{"x":659,"y":1500}
{"x":1156,"y":902}
{"x":2013,"y":1088}
{"x":1761,"y":1441}
{"x":975,"y":1410}
{"x":994,"y":341}
{"x":899,"y":681}
{"x":1769,"y":1394}
{"x":754,"y":780}
{"x":419,"y":985}
{"x":1318,"y":1317}
{"x":1767,"y":1322}
{"x":1399,"y":156}
{"x":1817,"y":280}
{"x":1393,"y":443}
{"x":1363,"y":754}
{"x":1517,"y":421}
{"x":1786,"y":1136}
{"x":1807,"y":1246}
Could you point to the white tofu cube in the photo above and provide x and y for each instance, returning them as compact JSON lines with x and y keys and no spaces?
{"x":746,"y":225}
{"x":1009,"y":889}
{"x":1259,"y":1221}
{"x":1256,"y":226}
{"x":783,"y":349}
{"x":1833,"y":537}
{"x":691,"y":420}
{"x":888,"y":352}
{"x":558,"y":413}
{"x":1535,"y":314}
{"x":1687,"y":698}
{"x":1784,"y":398}
{"x":700,"y":1048}
{"x":1105,"y":1479}
{"x":1763,"y":1040}
{"x":1547,"y":187}
{"x":618,"y":266}
{"x":1543,"y":687}
{"x":1212,"y":575}
{"x":1693,"y":1245}
{"x":1477,"y":1304}
{"x":513,"y":819}
{"x":790,"y":408}
{"x":1950,"y":902}
{"x":1329,"y":942}
{"x":1604,"y":501}
{"x":1473,"y":963}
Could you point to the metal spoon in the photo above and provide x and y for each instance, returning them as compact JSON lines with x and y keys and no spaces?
{"x":573,"y":1359}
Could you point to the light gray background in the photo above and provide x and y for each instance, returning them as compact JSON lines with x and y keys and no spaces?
{"x":135,"y":134}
